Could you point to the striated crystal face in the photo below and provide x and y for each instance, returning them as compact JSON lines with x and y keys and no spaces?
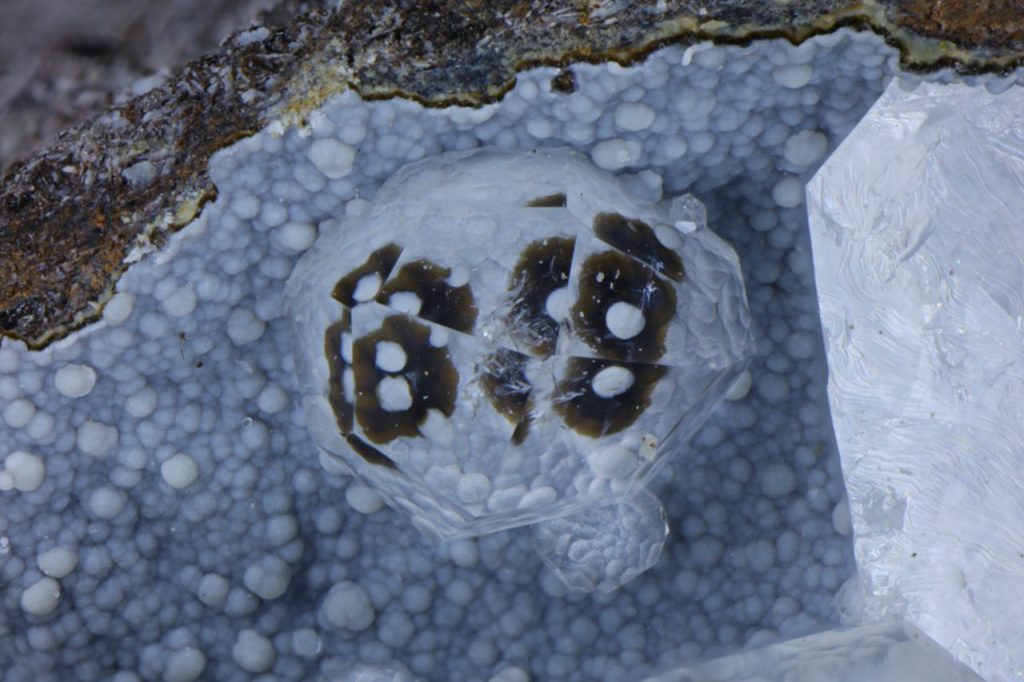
{"x":918,"y":242}
{"x":504,"y":337}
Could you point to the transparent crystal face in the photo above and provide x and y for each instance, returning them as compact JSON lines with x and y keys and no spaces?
{"x":506,"y":337}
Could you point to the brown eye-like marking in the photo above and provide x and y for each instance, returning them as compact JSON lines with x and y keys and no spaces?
{"x":549,"y":201}
{"x":370,"y":453}
{"x":425,"y":285}
{"x":393,"y":404}
{"x":504,"y":379}
{"x":639,"y":240}
{"x":623,"y":309}
{"x":539,"y":285}
{"x":334,"y":349}
{"x":362,"y":284}
{"x":598,"y":397}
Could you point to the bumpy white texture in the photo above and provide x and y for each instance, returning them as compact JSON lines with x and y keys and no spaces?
{"x":919,"y":259}
{"x":470,"y":214}
{"x":166,"y":575}
{"x":602,"y":548}
{"x":888,"y":651}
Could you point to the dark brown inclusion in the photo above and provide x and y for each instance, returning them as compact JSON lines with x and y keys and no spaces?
{"x":503,"y":376}
{"x":380,"y":261}
{"x":550,"y":201}
{"x":638,"y":239}
{"x":448,"y":306}
{"x":610,"y":277}
{"x":593,"y":415}
{"x":370,"y":453}
{"x":433,"y":380}
{"x":337,"y":366}
{"x":543,"y":267}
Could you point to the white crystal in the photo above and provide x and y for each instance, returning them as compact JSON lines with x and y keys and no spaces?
{"x":917,"y":223}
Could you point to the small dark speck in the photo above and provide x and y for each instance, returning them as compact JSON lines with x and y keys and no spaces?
{"x":199,"y":365}
{"x":565,"y":82}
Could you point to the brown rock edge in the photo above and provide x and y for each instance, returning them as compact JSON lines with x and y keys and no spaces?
{"x":70,"y":217}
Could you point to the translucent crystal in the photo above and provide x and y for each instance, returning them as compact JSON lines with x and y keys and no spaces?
{"x":600,"y":549}
{"x":917,"y":224}
{"x":505,"y":337}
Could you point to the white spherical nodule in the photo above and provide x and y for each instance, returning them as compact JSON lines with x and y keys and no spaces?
{"x":41,"y":597}
{"x":181,"y":302}
{"x":347,"y":606}
{"x":777,"y":480}
{"x":332,"y":157}
{"x":624,"y":320}
{"x":613,"y":461}
{"x":793,"y":76}
{"x":244,"y":327}
{"x":390,"y":356}
{"x":394,"y":394}
{"x":268,"y":578}
{"x":213,"y":590}
{"x":179,"y":471}
{"x":184,"y":666}
{"x":788,"y":193}
{"x":557,"y":304}
{"x":253,"y":652}
{"x":74,"y":381}
{"x":510,"y":674}
{"x":27,"y":470}
{"x":97,"y":439}
{"x":367,"y":288}
{"x":612,"y":381}
{"x":296,"y":236}
{"x":106,"y":502}
{"x":616,"y":154}
{"x":805,"y":148}
{"x":118,"y":308}
{"x":740,"y":387}
{"x":141,"y":403}
{"x":634,"y":116}
{"x":473,"y":488}
{"x":57,"y":562}
{"x":19,"y":413}
{"x":364,"y":500}
{"x":405,"y":302}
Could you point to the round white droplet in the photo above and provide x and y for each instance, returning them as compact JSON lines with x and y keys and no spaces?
{"x":253,"y":652}
{"x":96,"y":439}
{"x":213,"y":590}
{"x":179,"y":471}
{"x":390,"y":356}
{"x":793,"y":76}
{"x":306,"y":642}
{"x":788,"y":193}
{"x":296,"y":236}
{"x":26,"y":469}
{"x":268,"y":578}
{"x":438,"y":428}
{"x":511,"y":674}
{"x":633,"y":116}
{"x":459,"y":276}
{"x":367,"y":288}
{"x":106,"y":502}
{"x":614,"y":462}
{"x":184,"y":666}
{"x":473,"y":488}
{"x":141,"y":403}
{"x":57,"y":562}
{"x":612,"y":381}
{"x":557,"y":304}
{"x":438,"y":337}
{"x":615,"y":155}
{"x":363,"y":499}
{"x":19,"y":413}
{"x":624,"y":320}
{"x":75,"y":381}
{"x":394,"y":394}
{"x":244,"y":327}
{"x":805,"y":148}
{"x":332,"y":158}
{"x":669,"y":236}
{"x":119,"y":307}
{"x":181,"y":302}
{"x":405,"y":302}
{"x":740,"y":387}
{"x":347,"y":606}
{"x":777,"y":479}
{"x":41,"y":597}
